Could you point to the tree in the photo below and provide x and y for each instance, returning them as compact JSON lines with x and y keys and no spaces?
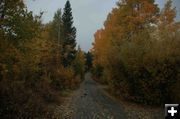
{"x":69,"y":35}
{"x":89,"y":59}
{"x":139,"y":52}
{"x":17,"y":23}
{"x":168,"y":14}
{"x":19,"y":30}
{"x":79,"y":63}
{"x":55,"y":34}
{"x":29,"y":73}
{"x":56,"y":26}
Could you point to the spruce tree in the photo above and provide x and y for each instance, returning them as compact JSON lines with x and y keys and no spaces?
{"x":69,"y":35}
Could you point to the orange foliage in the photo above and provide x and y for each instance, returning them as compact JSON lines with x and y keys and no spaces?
{"x":137,"y":51}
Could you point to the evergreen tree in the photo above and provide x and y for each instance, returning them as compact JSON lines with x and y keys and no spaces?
{"x":89,"y":59}
{"x":69,"y":35}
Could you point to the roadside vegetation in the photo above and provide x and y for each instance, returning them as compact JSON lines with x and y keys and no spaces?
{"x":137,"y":52}
{"x":38,"y":62}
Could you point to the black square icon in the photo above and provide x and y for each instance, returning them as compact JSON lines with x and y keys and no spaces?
{"x":172,"y":111}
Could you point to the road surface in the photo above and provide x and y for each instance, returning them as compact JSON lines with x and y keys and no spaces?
{"x":90,"y":102}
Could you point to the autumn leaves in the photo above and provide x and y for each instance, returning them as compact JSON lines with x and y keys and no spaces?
{"x":38,"y":61}
{"x":136,"y":52}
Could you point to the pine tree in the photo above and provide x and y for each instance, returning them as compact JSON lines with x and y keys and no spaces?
{"x":89,"y":59}
{"x":69,"y":35}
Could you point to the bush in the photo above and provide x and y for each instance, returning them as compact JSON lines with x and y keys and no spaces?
{"x":139,"y":53}
{"x":65,"y":79}
{"x":19,"y":102}
{"x":97,"y":71}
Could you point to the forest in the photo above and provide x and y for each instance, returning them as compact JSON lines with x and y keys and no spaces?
{"x":137,"y":52}
{"x":38,"y":62}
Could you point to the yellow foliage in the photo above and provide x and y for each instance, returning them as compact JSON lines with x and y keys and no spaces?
{"x":138,"y":51}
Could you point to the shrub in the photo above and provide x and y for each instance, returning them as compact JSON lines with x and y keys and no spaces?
{"x":97,"y":71}
{"x":19,"y":102}
{"x":65,"y":79}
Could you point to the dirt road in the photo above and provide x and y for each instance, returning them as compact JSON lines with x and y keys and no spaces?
{"x":90,"y":102}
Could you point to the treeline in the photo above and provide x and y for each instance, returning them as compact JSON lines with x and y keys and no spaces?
{"x":37,"y":61}
{"x":137,"y":52}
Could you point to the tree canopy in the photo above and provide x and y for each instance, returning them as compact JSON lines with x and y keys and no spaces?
{"x":136,"y":52}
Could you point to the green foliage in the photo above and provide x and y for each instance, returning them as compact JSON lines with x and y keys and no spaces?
{"x":89,"y":59}
{"x":98,"y":71}
{"x":69,"y":36}
{"x":56,"y":27}
{"x":79,"y":63}
{"x":31,"y":73}
{"x":27,"y":26}
{"x":69,"y":69}
{"x":55,"y":36}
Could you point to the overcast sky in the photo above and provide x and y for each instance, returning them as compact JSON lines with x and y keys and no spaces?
{"x":89,"y":15}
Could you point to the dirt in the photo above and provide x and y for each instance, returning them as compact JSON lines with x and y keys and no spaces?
{"x":91,"y":101}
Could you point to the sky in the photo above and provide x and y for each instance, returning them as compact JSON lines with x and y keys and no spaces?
{"x":89,"y":15}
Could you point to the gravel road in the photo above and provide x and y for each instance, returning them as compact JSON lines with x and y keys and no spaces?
{"x":90,"y":102}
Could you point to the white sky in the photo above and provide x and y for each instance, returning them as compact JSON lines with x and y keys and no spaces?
{"x":89,"y":15}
